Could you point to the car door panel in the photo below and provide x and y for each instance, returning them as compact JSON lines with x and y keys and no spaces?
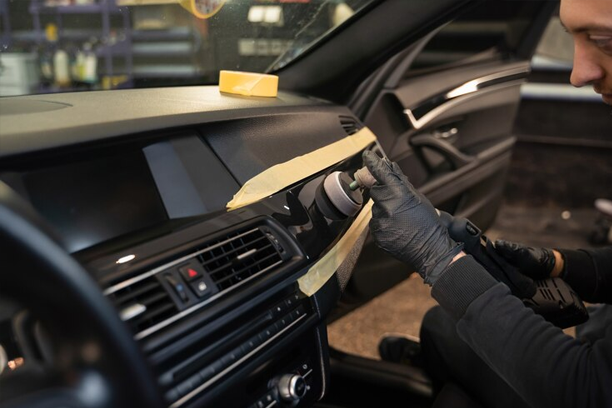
{"x":450,"y":127}
{"x":483,"y":125}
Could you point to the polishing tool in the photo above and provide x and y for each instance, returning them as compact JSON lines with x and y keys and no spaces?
{"x":339,"y":196}
{"x":336,"y":199}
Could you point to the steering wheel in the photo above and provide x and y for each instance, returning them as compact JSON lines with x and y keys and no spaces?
{"x":96,"y":361}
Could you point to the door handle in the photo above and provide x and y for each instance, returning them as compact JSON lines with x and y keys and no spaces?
{"x":440,"y":145}
{"x":445,"y":134}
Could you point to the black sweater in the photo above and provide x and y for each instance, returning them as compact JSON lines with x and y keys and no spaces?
{"x":544,"y":365}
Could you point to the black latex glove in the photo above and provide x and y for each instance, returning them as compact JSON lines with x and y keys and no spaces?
{"x":405,"y":224}
{"x":537,"y":263}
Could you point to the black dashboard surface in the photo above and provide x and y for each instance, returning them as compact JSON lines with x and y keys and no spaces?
{"x":30,"y":123}
{"x":179,"y":155}
{"x":95,"y":170}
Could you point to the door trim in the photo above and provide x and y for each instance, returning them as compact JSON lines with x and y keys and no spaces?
{"x":433,"y":107}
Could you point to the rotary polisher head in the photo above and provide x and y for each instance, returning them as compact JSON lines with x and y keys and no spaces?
{"x":346,"y":200}
{"x":335,"y":198}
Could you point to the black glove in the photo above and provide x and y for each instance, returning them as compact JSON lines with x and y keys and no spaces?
{"x":537,"y":263}
{"x":405,"y":224}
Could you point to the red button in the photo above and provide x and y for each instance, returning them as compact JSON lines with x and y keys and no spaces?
{"x":189,"y":272}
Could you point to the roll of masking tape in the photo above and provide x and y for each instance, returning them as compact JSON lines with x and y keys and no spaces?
{"x":248,"y":84}
{"x":202,"y":8}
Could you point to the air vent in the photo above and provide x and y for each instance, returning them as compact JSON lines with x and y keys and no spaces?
{"x":228,"y":261}
{"x":350,"y":125}
{"x":143,"y":304}
{"x":240,"y":256}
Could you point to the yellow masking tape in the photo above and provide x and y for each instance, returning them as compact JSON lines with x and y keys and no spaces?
{"x":282,"y":175}
{"x":248,"y":83}
{"x":324,"y":269}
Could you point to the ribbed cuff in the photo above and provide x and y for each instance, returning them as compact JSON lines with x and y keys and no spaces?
{"x":580,"y":273}
{"x":442,"y":266}
{"x":574,"y":262}
{"x":463,"y":282}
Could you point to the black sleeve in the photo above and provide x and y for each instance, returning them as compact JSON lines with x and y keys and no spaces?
{"x":544,"y":365}
{"x":589,"y":273}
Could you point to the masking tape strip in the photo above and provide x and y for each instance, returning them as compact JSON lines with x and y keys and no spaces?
{"x":324,"y":269}
{"x":282,"y":175}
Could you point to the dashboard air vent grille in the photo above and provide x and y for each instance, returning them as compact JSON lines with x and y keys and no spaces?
{"x":241,"y":256}
{"x":144,"y":304}
{"x":350,"y":125}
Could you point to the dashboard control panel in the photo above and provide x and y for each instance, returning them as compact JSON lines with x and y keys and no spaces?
{"x":277,"y":321}
{"x":288,"y":389}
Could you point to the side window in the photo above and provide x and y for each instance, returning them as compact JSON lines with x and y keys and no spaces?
{"x":490,"y":31}
{"x":553,"y":59}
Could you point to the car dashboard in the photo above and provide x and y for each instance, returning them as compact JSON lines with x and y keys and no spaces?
{"x":135,"y":183}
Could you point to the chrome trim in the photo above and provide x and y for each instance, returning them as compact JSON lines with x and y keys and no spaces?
{"x":464,"y":92}
{"x":155,"y":271}
{"x":292,"y":384}
{"x":208,"y":383}
{"x":246,"y":254}
{"x":130,"y":312}
{"x":193,"y":308}
{"x":3,"y":359}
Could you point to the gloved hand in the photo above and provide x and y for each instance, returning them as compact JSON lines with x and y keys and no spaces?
{"x":405,"y":224}
{"x":537,"y":263}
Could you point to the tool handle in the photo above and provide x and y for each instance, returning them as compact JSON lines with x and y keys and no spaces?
{"x":553,"y":299}
{"x":483,"y":250}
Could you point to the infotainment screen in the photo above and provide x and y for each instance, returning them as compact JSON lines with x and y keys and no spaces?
{"x":93,"y":201}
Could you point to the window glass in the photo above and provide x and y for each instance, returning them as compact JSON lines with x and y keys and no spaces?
{"x":491,"y":30}
{"x":72,"y":45}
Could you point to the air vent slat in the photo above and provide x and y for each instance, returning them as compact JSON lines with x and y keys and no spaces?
{"x":135,"y":291}
{"x":215,"y":273}
{"x":150,"y":300}
{"x":155,"y":302}
{"x":350,"y":125}
{"x":153,"y":313}
{"x":240,"y":258}
{"x":259,"y":264}
{"x":244,"y":247}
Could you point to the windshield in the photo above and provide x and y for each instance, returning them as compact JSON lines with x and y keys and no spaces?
{"x":79,"y":45}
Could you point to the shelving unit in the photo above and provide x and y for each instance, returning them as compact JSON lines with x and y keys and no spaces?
{"x":5,"y":33}
{"x":168,"y":54}
{"x":112,"y":45}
